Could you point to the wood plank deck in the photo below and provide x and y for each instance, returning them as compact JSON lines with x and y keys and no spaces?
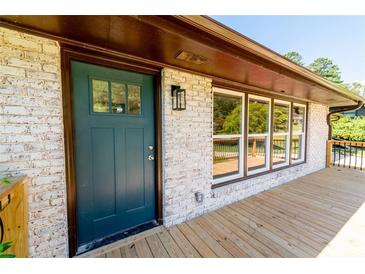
{"x":298,"y":219}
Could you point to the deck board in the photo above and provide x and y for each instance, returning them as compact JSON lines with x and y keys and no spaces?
{"x":302,"y":218}
{"x":156,"y":246}
{"x":142,"y":249}
{"x":170,"y":245}
{"x":185,"y":246}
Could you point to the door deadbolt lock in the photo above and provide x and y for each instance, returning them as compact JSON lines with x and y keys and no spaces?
{"x":151,"y":157}
{"x":150,"y":147}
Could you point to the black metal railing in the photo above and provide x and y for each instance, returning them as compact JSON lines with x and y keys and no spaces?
{"x":279,"y":148}
{"x":225,"y":149}
{"x":347,"y":154}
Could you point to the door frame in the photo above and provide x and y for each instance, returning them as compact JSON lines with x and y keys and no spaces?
{"x":107,"y":59}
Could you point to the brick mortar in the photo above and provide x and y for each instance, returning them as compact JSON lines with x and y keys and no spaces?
{"x":31,"y":134}
{"x":181,"y":135}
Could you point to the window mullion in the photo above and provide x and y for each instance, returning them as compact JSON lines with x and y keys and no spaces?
{"x":291,"y":132}
{"x":271,"y":126}
{"x":245,"y":138}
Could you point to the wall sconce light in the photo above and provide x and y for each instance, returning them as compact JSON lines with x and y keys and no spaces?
{"x":178,"y":98}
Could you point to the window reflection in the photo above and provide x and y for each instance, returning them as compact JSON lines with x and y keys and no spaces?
{"x":279,"y":149}
{"x":100,"y":94}
{"x":280,"y":143}
{"x":296,"y":146}
{"x":227,"y":114}
{"x":118,"y":97}
{"x":225,"y":157}
{"x":134,"y":99}
{"x":281,"y":118}
{"x":298,"y":118}
{"x":258,"y":116}
{"x":257,"y":146}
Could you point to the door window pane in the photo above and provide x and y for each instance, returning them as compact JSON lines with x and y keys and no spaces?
{"x":296,"y":146}
{"x":134,"y":99}
{"x":281,"y":118}
{"x":100,"y":94}
{"x":258,"y":116}
{"x":256,"y":152}
{"x":227,"y":114}
{"x":226,"y":157}
{"x":118,"y":97}
{"x":279,"y":149}
{"x":298,"y":118}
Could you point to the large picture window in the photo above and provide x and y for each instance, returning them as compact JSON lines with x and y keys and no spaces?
{"x":227,"y":135}
{"x":258,"y":149}
{"x":281,"y":133}
{"x":298,"y":133}
{"x":254,"y":135}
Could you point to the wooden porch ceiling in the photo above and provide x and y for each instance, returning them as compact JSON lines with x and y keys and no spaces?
{"x":159,"y":40}
{"x":321,"y":214}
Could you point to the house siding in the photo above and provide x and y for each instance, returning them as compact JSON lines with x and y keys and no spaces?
{"x":31,"y":142}
{"x":31,"y":134}
{"x":188,"y":157}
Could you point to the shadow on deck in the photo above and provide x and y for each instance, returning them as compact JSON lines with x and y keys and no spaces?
{"x":321,"y":214}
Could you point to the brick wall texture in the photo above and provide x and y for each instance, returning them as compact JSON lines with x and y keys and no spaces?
{"x":187,"y":152}
{"x":31,"y":142}
{"x":31,"y":134}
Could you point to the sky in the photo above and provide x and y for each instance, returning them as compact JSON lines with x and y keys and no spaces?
{"x":340,"y":38}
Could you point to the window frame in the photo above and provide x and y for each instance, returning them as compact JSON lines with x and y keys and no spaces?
{"x":268,"y":134}
{"x":118,"y":81}
{"x":287,"y":134}
{"x":300,"y":132}
{"x":245,"y":93}
{"x":241,"y":142}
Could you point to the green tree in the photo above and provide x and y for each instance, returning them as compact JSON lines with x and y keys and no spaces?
{"x":232,"y":124}
{"x":225,"y":108}
{"x":352,"y":129}
{"x":281,"y":118}
{"x":356,"y":87}
{"x":295,"y":57}
{"x":258,"y":118}
{"x":327,"y":69}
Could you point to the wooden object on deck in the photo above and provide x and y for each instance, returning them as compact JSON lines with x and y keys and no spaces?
{"x":14,"y":215}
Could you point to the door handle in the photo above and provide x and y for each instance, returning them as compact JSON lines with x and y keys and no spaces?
{"x":151,"y":157}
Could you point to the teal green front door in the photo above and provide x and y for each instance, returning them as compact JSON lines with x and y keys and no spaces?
{"x":113,"y":112}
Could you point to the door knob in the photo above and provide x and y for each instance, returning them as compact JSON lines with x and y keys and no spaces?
{"x":151,"y":157}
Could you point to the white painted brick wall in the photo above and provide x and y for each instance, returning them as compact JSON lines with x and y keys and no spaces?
{"x":187,"y":152}
{"x":31,"y":134}
{"x":187,"y":146}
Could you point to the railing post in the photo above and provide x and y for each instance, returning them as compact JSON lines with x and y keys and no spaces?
{"x":254,"y":148}
{"x":329,"y":153}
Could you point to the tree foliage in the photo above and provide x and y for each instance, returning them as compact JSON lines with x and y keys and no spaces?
{"x":232,"y":123}
{"x":258,"y":118}
{"x":226,"y":115}
{"x":3,"y":248}
{"x":295,"y":57}
{"x":352,"y":129}
{"x":326,"y":68}
{"x":281,"y":118}
{"x":356,"y":87}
